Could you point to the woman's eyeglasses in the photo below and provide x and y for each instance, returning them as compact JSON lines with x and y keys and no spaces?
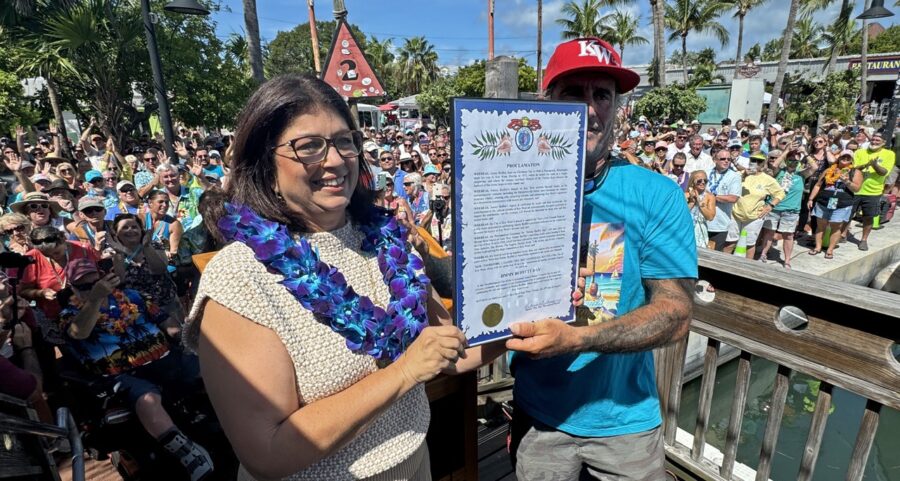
{"x":407,"y":184}
{"x":37,"y":206}
{"x":313,"y":149}
{"x":66,"y":171}
{"x":700,"y":181}
{"x":18,"y":229}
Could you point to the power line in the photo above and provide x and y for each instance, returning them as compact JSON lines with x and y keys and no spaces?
{"x":394,"y":35}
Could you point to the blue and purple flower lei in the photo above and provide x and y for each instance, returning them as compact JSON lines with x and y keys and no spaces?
{"x":382,"y":333}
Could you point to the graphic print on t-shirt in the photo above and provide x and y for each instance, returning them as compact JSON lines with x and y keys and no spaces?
{"x":605,"y":255}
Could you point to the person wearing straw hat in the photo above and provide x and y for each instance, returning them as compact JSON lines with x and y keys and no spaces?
{"x":39,"y":209}
{"x":585,"y":393}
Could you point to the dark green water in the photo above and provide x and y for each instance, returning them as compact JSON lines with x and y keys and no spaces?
{"x":840,"y":433}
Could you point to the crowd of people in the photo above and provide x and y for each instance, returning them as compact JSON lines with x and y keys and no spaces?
{"x":749,"y":186}
{"x":108,"y":281}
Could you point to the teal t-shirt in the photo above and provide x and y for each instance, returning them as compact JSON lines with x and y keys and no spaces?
{"x":635,"y":225}
{"x":793,"y":191}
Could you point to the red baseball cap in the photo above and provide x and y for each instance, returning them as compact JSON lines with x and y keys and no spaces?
{"x":589,"y":54}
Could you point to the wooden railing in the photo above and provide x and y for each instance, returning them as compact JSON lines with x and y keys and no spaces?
{"x":846,"y":340}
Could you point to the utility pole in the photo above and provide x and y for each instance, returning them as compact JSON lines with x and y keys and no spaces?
{"x":340,"y":13}
{"x":540,"y":67}
{"x":863,"y":62}
{"x":159,"y":85}
{"x":490,"y":29}
{"x":314,"y":36}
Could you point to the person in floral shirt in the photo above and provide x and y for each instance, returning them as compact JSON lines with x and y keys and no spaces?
{"x":116,"y":334}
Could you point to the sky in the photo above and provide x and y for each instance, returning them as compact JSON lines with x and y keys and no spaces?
{"x":458,"y":28}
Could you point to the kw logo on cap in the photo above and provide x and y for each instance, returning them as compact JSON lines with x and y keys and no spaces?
{"x":590,"y":48}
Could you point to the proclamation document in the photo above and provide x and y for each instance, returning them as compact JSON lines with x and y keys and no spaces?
{"x":518,"y":180}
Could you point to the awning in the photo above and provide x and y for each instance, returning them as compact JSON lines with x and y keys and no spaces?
{"x":386,"y":107}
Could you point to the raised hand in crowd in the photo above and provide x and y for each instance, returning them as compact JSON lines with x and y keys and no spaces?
{"x":13,"y":161}
{"x":181,"y":150}
{"x":20,"y":132}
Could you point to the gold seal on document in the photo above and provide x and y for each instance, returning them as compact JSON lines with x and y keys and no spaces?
{"x":492,"y":315}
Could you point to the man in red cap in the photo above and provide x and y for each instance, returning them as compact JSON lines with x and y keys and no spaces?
{"x":586,"y":399}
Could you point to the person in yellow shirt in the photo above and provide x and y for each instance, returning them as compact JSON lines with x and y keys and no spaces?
{"x":761,"y":193}
{"x":875,"y":163}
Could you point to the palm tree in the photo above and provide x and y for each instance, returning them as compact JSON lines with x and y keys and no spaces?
{"x":743,"y":8}
{"x":416,"y":65}
{"x":787,"y":38}
{"x":807,"y":37}
{"x":657,"y":9}
{"x":620,"y":29}
{"x":704,"y":74}
{"x":253,"y":46}
{"x":380,"y":55}
{"x":699,"y":16}
{"x":584,"y":19}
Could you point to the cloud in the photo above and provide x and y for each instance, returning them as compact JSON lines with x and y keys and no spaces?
{"x":515,"y":13}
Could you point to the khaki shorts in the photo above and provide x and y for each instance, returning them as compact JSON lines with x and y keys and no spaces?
{"x":753,"y":227}
{"x":545,"y":454}
{"x":785,"y":222}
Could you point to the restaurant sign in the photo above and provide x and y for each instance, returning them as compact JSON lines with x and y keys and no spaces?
{"x":880,"y":64}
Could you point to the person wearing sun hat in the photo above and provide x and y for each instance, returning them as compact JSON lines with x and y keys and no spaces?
{"x":39,"y":209}
{"x":585,"y":393}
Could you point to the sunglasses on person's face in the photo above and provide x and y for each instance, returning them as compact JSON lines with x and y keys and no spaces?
{"x":700,"y":181}
{"x":48,"y":242}
{"x":66,"y":171}
{"x":18,"y":229}
{"x":407,"y":184}
{"x":92,"y":210}
{"x":38,"y":206}
{"x":443,"y":197}
{"x":148,"y":159}
{"x":723,"y":158}
{"x":677,"y":166}
{"x":446,"y":169}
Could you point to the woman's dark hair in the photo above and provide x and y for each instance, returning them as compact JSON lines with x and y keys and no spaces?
{"x":268,"y":112}
{"x":46,"y":234}
{"x":119,"y":218}
{"x":157,"y":193}
{"x":211,"y":207}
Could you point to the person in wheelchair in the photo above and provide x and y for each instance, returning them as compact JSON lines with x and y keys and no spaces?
{"x":116,"y":334}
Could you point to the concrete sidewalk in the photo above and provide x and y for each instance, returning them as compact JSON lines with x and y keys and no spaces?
{"x":849,"y":264}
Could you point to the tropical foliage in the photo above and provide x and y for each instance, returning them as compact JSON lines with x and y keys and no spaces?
{"x":416,"y":66}
{"x":581,"y":19}
{"x":291,"y":50}
{"x":684,"y":17}
{"x":670,"y":103}
{"x":435,"y":100}
{"x":833,"y":97}
{"x":621,"y":29}
{"x":469,"y":80}
{"x":807,"y":38}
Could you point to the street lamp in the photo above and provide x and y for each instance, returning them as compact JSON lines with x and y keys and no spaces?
{"x":877,"y":10}
{"x":187,"y":7}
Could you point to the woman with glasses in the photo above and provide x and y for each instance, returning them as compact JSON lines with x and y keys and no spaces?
{"x":702,"y":206}
{"x":819,"y":159}
{"x":831,"y":200}
{"x":66,"y":172}
{"x":16,"y":229}
{"x":416,"y":196}
{"x":40,"y":210}
{"x":45,"y":278}
{"x":298,"y":396}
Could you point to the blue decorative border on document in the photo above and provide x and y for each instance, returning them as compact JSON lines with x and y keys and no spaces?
{"x":502,"y":106}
